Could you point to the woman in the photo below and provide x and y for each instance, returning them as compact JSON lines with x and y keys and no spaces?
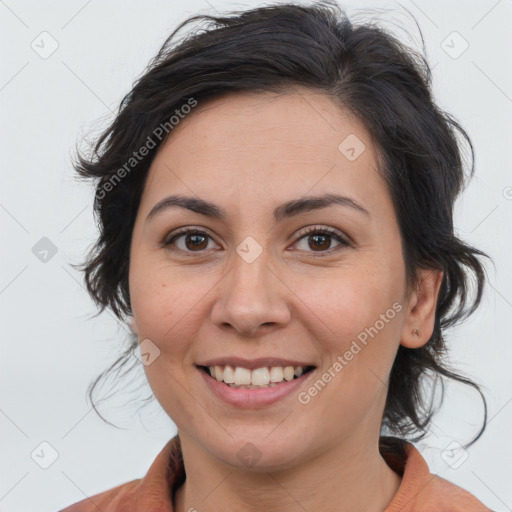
{"x":275,"y":200}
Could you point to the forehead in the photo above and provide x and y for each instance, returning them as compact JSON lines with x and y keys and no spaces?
{"x":269,"y":144}
{"x":296,"y":117}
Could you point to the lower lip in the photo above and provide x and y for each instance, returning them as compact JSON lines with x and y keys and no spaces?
{"x":253,"y":398}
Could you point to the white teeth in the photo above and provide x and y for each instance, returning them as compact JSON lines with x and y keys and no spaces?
{"x":229,"y":375}
{"x":219,"y":373}
{"x":259,"y":377}
{"x":288,"y":373}
{"x":276,"y":374}
{"x":242,"y":376}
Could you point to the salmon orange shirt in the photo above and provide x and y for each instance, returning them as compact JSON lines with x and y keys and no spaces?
{"x":419,"y":491}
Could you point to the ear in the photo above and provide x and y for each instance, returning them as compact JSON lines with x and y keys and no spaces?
{"x":420,"y":311}
{"x":133,"y":325}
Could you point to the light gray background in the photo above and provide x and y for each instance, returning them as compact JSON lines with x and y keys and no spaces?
{"x":51,"y":349}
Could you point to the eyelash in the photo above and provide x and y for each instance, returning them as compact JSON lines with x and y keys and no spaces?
{"x":323,"y":230}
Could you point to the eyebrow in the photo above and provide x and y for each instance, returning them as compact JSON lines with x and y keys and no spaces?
{"x":286,"y":210}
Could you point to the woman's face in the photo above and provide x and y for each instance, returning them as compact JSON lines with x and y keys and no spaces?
{"x":255,"y":285}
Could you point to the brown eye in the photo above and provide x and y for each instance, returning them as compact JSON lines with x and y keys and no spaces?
{"x":320,"y":240}
{"x":193,"y":240}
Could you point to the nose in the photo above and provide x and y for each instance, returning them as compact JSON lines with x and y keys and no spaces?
{"x":252,"y":298}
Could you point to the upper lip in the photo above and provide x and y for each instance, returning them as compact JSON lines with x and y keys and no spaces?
{"x":252,"y":364}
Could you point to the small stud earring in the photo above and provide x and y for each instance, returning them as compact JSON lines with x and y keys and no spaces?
{"x":416,"y":332}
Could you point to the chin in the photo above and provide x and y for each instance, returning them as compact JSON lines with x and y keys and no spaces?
{"x":259,"y":449}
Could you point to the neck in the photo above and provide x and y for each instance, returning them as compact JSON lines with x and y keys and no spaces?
{"x":334,"y":481}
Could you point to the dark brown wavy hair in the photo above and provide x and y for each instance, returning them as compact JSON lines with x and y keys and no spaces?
{"x":368,"y":71}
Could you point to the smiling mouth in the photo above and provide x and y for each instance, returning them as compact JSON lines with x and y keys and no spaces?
{"x":259,"y":378}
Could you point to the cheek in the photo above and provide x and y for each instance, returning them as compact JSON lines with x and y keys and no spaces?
{"x":347,"y":302}
{"x":361,"y":313}
{"x":357,"y":317}
{"x":166,"y":308}
{"x":166,"y":303}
